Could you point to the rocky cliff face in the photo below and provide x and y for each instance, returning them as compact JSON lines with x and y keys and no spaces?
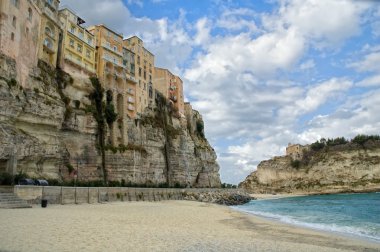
{"x":45,"y":131}
{"x":347,"y":169}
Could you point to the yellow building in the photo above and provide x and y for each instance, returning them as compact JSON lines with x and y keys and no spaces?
{"x":143,"y":73}
{"x":171,"y":86}
{"x":78,"y":45}
{"x":50,"y":31}
{"x":111,"y":73}
{"x":19,"y":34}
{"x":296,"y":151}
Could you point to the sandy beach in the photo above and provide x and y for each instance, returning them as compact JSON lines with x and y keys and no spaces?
{"x":158,"y":226}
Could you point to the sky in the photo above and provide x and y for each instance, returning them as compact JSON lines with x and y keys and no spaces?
{"x":262,"y":73}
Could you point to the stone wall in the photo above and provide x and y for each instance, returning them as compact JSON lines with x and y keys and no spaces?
{"x":81,"y":195}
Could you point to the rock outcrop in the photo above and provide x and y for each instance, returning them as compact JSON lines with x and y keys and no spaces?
{"x":221,"y":197}
{"x":47,"y":131}
{"x":349,"y":168}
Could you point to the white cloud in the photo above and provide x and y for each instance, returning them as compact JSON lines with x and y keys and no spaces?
{"x":373,"y":81}
{"x":370,"y":63}
{"x":203,"y":31}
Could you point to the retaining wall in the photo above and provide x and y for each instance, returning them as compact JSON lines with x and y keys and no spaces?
{"x":79,"y":195}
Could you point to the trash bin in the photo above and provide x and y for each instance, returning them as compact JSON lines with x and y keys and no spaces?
{"x":44,"y":203}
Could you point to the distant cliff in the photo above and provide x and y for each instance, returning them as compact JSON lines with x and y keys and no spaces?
{"x":345,"y":168}
{"x":47,"y":130}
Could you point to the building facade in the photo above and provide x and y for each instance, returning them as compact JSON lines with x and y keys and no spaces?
{"x":78,"y":45}
{"x":19,"y":34}
{"x":143,"y":73}
{"x":50,"y":31}
{"x":130,"y":65}
{"x":171,"y":86}
{"x":111,"y":73}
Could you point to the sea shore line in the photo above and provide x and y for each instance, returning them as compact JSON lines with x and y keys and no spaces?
{"x":159,"y":226}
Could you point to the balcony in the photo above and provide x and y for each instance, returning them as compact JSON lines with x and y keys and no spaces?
{"x":109,"y":48}
{"x":107,"y":71}
{"x":131,"y":99}
{"x":120,"y":75}
{"x":131,"y":107}
{"x":80,"y":64}
{"x":130,"y":91}
{"x":116,"y":63}
{"x":133,"y":79}
{"x":173,"y":98}
{"x":172,"y":87}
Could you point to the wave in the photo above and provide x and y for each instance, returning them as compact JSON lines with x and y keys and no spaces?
{"x":331,"y":227}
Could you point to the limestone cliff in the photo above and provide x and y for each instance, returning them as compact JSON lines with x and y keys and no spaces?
{"x":46,"y":131}
{"x":349,"y":168}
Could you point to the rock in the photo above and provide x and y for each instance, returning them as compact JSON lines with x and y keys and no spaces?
{"x":343,"y":169}
{"x":221,"y":197}
{"x":45,"y":134}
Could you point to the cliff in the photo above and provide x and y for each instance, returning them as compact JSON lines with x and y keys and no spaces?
{"x":47,"y":131}
{"x":347,"y":168}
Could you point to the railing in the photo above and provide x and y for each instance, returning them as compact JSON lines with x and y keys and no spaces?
{"x":111,"y":49}
{"x":80,"y":63}
{"x":116,"y":63}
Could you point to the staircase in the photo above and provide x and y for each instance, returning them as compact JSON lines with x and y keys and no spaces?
{"x":9,"y":200}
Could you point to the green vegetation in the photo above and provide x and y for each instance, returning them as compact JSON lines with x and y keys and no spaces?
{"x":70,"y":168}
{"x":295,"y":163}
{"x":9,"y":179}
{"x":359,"y":139}
{"x":362,"y":139}
{"x":97,"y":110}
{"x":200,"y":129}
{"x":225,"y":185}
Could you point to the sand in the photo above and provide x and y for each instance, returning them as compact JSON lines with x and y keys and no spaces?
{"x":158,"y":226}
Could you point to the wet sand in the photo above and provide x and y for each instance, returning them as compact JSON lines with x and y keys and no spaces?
{"x":158,"y":226}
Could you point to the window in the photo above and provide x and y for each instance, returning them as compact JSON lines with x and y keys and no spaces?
{"x":16,"y":3}
{"x":79,"y":48}
{"x":80,"y":34}
{"x":140,"y":71}
{"x":138,"y":60}
{"x":71,"y":43}
{"x":88,"y":53}
{"x":12,"y":36}
{"x":48,"y":43}
{"x":89,"y":40}
{"x":144,"y":75}
{"x":27,"y":31}
{"x":30,"y":14}
{"x":14,"y":21}
{"x":72,"y":29}
{"x":115,"y":48}
{"x":144,"y":86}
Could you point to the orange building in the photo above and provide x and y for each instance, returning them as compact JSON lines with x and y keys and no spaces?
{"x":143,"y":73}
{"x":129,"y":64}
{"x":111,"y":73}
{"x":171,"y":86}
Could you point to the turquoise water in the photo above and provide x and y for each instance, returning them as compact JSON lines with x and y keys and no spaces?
{"x":353,"y":214}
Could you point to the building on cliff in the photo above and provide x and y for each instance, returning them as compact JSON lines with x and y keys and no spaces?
{"x":130,"y":66}
{"x":296,"y":150}
{"x":19,"y":34}
{"x":111,"y":73}
{"x":50,"y":35}
{"x":78,"y":46}
{"x":143,"y":73}
{"x":171,"y":87}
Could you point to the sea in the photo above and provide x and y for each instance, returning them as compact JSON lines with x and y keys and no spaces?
{"x":348,"y":214}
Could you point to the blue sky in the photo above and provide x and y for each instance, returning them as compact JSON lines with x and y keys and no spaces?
{"x":262,"y":73}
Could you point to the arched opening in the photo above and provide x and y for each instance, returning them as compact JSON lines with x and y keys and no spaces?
{"x":120,"y":122}
{"x":30,"y":14}
{"x":14,"y":21}
{"x":49,"y":30}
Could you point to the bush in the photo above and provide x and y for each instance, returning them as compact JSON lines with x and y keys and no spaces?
{"x":295,"y":163}
{"x":317,"y":146}
{"x":362,"y":139}
{"x":70,"y":168}
{"x":6,"y":178}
